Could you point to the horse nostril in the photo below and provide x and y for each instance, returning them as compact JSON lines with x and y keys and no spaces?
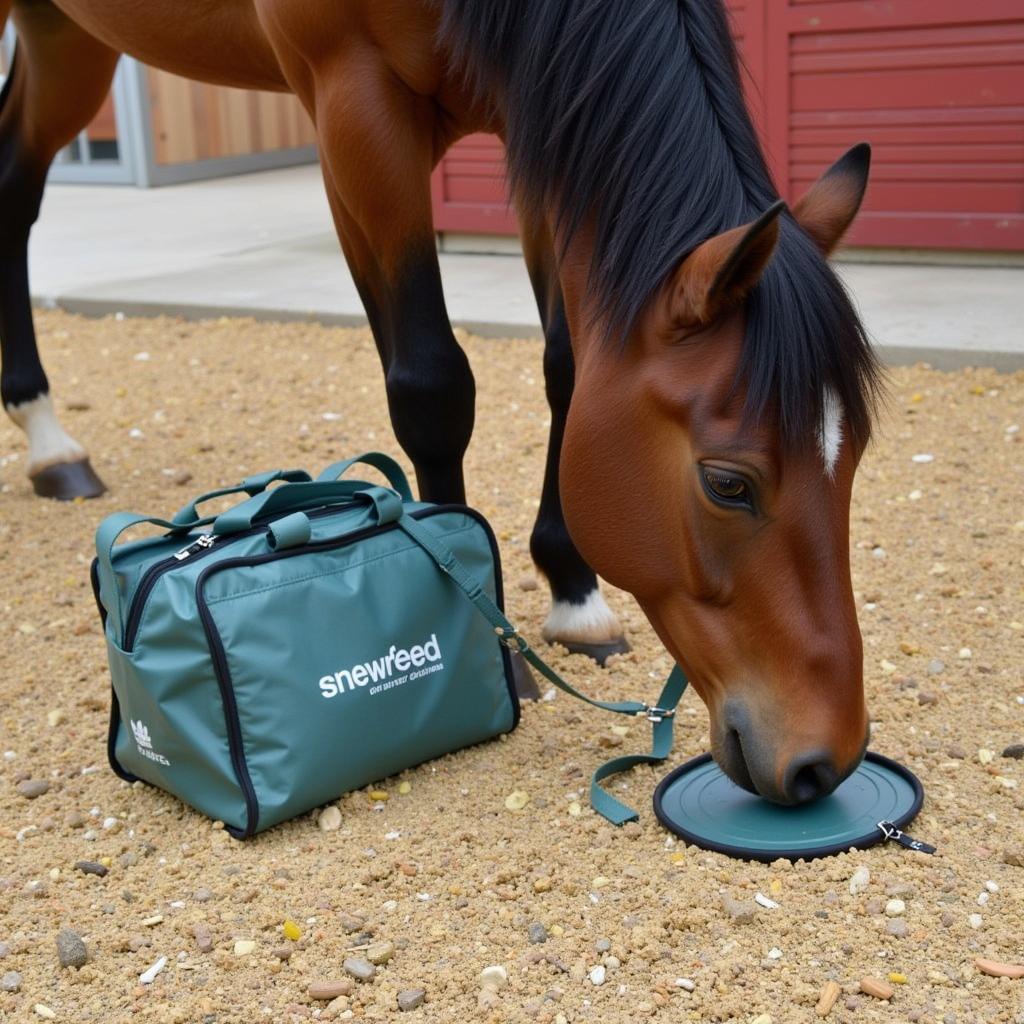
{"x":809,"y":778}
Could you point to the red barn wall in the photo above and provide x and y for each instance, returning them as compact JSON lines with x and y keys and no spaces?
{"x":936,"y":86}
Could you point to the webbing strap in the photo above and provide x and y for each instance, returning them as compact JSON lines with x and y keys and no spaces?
{"x":661,"y":715}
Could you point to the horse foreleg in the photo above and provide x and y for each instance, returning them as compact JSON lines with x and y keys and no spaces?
{"x":59,"y":79}
{"x":579,"y":618}
{"x":377,"y":148}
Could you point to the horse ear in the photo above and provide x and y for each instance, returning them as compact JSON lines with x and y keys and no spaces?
{"x":827,"y":209}
{"x":720,"y":271}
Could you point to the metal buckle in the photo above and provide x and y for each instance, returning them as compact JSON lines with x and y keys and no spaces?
{"x":888,"y":829}
{"x":511,"y":639}
{"x":655,"y":714}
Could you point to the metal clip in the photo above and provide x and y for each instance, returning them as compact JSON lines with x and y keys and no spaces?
{"x":897,"y":835}
{"x":511,"y":638}
{"x":655,"y":714}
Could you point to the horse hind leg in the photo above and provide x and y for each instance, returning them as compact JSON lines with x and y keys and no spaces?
{"x":59,"y":79}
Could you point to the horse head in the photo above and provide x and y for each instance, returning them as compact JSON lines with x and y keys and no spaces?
{"x":729,"y":524}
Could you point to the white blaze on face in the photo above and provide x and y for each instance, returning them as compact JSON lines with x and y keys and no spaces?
{"x":589,"y":622}
{"x":48,"y":442}
{"x":830,"y":433}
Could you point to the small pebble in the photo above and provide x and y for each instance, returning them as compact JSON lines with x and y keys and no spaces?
{"x":11,"y":982}
{"x":516,"y":800}
{"x":292,"y":931}
{"x":877,"y":988}
{"x":411,"y":998}
{"x":42,"y":1010}
{"x":597,"y":975}
{"x":71,"y":949}
{"x":204,"y":938}
{"x":686,"y":983}
{"x":528,"y":583}
{"x":537,"y":933}
{"x":1015,"y":751}
{"x":603,"y":945}
{"x":975,"y":921}
{"x":741,"y":911}
{"x":495,"y":977}
{"x":329,"y":819}
{"x":763,"y":1018}
{"x":380,"y":952}
{"x":147,"y":977}
{"x":936,"y":666}
{"x":765,"y":902}
{"x":860,"y":880}
{"x":360,"y":968}
{"x":243,"y":947}
{"x":894,"y":908}
{"x":91,"y":867}
{"x":999,"y":970}
{"x":30,"y":789}
{"x":325,"y":991}
{"x":897,"y":927}
{"x":827,"y":999}
{"x":1014,"y":856}
{"x":351,"y":922}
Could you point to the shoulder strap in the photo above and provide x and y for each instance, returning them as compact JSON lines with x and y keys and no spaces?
{"x":661,"y":715}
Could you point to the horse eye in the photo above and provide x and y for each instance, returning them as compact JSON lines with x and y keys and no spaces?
{"x":727,"y":487}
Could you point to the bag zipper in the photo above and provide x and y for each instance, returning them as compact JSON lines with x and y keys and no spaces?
{"x":201,"y":546}
{"x":223,"y":673}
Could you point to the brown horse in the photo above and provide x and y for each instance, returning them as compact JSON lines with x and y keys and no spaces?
{"x":710,"y":385}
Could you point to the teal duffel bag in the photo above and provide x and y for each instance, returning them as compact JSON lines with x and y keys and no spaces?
{"x":316,"y":637}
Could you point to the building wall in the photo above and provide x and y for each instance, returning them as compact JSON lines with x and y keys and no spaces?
{"x":937,"y":87}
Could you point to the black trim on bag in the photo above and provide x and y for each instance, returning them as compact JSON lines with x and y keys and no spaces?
{"x":223,"y":673}
{"x":152,"y":575}
{"x":115,"y":704}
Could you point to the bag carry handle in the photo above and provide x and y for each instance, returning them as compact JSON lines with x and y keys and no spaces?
{"x":661,"y":715}
{"x":287,"y":498}
{"x":250,"y":485}
{"x":384,"y":463}
{"x":295,"y":529}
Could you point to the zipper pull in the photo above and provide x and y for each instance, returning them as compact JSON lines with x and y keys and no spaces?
{"x":201,"y":543}
{"x":890,"y":831}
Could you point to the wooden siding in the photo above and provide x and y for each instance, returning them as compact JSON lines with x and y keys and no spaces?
{"x":194,"y":121}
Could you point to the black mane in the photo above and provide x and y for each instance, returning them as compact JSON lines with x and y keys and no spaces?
{"x":633,"y":110}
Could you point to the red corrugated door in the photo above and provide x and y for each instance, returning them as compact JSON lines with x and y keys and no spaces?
{"x":937,"y":86}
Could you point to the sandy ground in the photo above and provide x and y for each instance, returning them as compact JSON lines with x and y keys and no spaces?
{"x":459,"y":888}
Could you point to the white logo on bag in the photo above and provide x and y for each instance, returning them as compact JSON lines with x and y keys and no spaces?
{"x":412,"y":663}
{"x":142,"y":735}
{"x":145,"y":744}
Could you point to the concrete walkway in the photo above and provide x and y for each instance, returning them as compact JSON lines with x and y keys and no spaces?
{"x":262,"y":245}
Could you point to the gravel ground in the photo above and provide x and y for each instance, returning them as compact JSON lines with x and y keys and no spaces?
{"x":442,"y":881}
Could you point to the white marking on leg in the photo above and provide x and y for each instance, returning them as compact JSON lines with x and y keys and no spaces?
{"x":48,"y":442}
{"x":589,"y":622}
{"x":830,"y":433}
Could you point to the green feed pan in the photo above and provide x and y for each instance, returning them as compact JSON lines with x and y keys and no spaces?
{"x":700,"y":803}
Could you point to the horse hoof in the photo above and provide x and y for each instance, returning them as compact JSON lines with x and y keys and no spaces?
{"x":66,"y":481}
{"x":526,"y":685}
{"x":599,"y":652}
